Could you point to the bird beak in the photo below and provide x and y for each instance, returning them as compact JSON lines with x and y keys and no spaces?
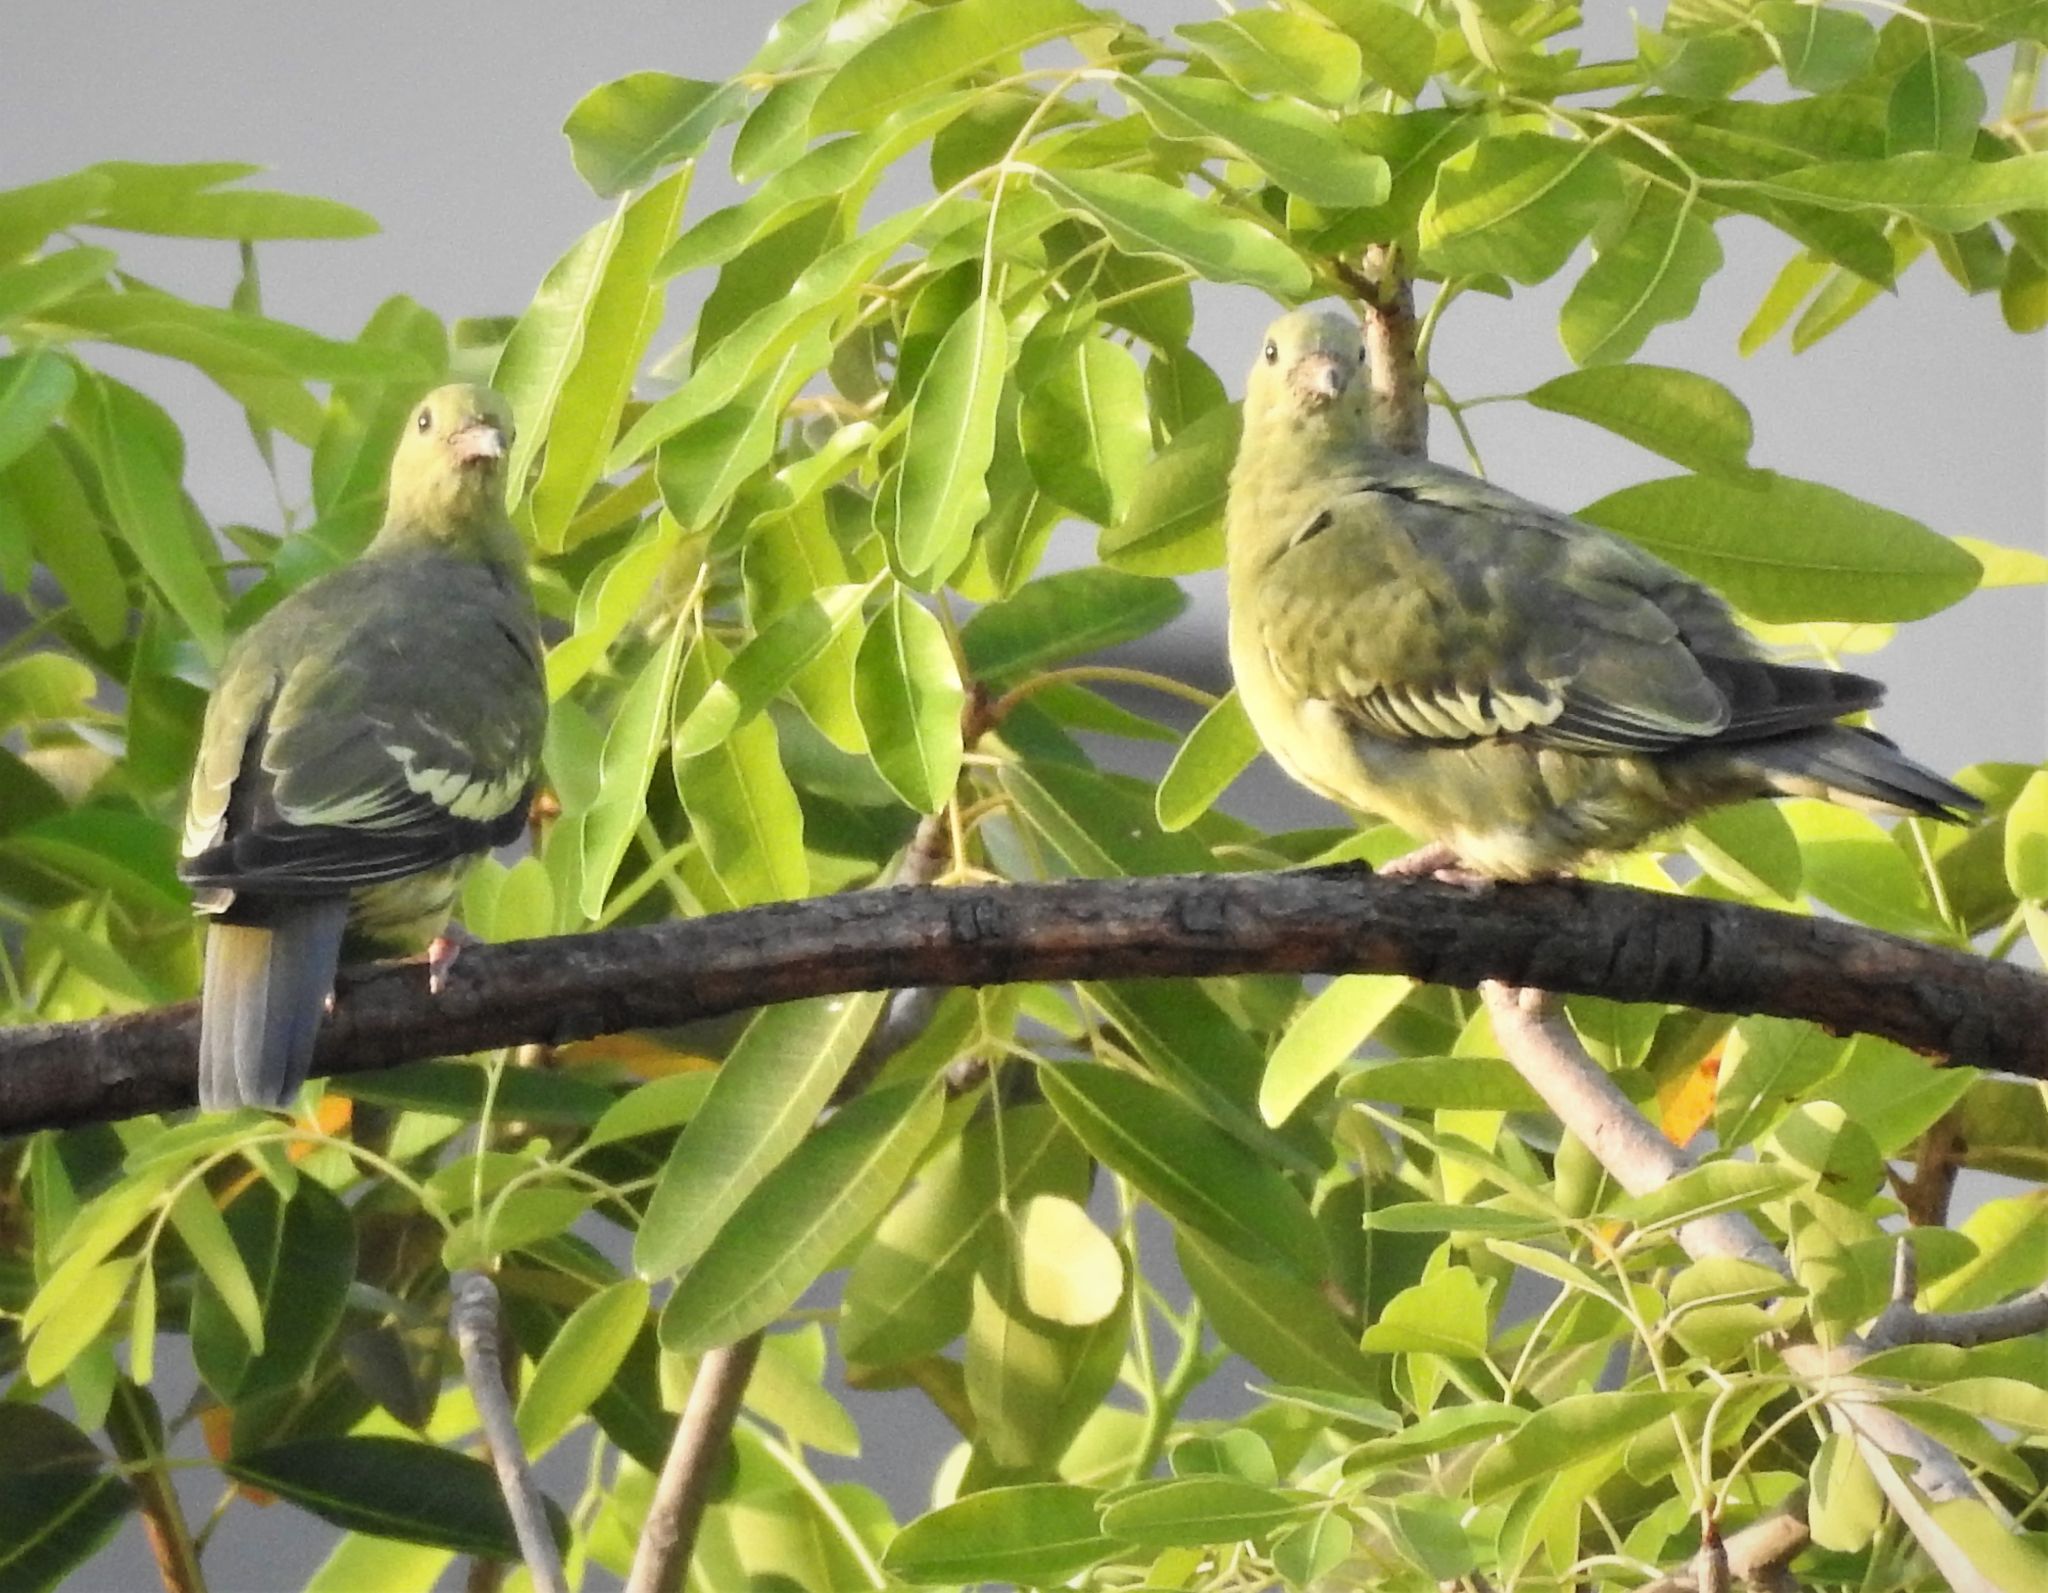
{"x":480,"y":439}
{"x":1319,"y":379}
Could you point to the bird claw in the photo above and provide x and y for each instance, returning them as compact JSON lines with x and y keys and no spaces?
{"x":442,"y":952}
{"x":1438,"y":862}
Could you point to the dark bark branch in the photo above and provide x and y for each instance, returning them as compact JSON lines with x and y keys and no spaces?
{"x":1599,"y":939}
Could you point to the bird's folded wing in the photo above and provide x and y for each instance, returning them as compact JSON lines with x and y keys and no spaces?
{"x":367,"y":763}
{"x":1434,"y":608}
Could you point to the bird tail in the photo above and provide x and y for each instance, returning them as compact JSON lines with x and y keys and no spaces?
{"x":265,"y":991}
{"x":1859,"y":768}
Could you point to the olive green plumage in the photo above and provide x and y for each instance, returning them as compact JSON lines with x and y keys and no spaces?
{"x":1523,"y":688}
{"x":369,"y":737}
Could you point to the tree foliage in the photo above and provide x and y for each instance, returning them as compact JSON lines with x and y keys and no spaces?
{"x":797,"y":605}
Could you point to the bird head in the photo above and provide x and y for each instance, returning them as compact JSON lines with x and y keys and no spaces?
{"x":450,"y":467}
{"x":1309,"y":367}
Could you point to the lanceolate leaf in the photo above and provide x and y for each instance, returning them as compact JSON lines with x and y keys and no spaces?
{"x":788,"y":1231}
{"x":1299,"y":149}
{"x":623,"y":133}
{"x":1516,"y":204}
{"x":929,"y":50}
{"x":1216,"y":752}
{"x":63,"y":1500}
{"x":34,"y":389}
{"x":1650,"y":275}
{"x":1065,"y":616}
{"x":1946,"y":192}
{"x":1084,"y":429}
{"x":908,"y":690}
{"x":769,"y":1091}
{"x":1783,"y":549}
{"x":941,"y":488}
{"x":1145,"y":216}
{"x":1688,"y":418}
{"x":630,"y":749}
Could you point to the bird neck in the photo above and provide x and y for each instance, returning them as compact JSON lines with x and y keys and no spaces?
{"x":470,"y":530}
{"x":1283,"y":474}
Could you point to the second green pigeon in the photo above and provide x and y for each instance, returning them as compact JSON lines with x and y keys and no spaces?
{"x":1521,"y":689}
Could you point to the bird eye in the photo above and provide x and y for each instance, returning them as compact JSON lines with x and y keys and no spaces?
{"x":1361,"y":353}
{"x":1272,"y":353}
{"x":426,"y":419}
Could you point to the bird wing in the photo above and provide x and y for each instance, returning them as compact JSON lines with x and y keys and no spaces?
{"x":390,"y":724}
{"x":1429,"y":606}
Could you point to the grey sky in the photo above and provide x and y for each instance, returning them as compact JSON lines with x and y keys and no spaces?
{"x":442,"y":121}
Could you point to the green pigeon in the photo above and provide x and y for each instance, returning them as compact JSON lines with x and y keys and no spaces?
{"x":369,"y":738}
{"x":1520,"y":689}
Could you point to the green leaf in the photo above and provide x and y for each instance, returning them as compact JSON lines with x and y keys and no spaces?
{"x":47,"y":279}
{"x":656,"y":1106}
{"x":1283,"y":1326}
{"x":1280,"y":52}
{"x":1200,"y":1510}
{"x":1033,"y":1384}
{"x":1067,"y":615}
{"x":1821,"y":47}
{"x":742,"y":806}
{"x":300,"y":1255}
{"x":580,"y":1362}
{"x":1570,"y":1431}
{"x":1101,"y":825}
{"x":801,"y":1217}
{"x":1447,"y":1429}
{"x":765,"y":667}
{"x":205,"y":1233}
{"x":1767,"y":1064}
{"x":766,"y":1095}
{"x":908,"y":1293}
{"x":360,"y":1561}
{"x":513,"y":1221}
{"x":1084,"y":429}
{"x":624,"y":132}
{"x":89,"y":1305}
{"x":1516,"y":204}
{"x":1936,"y":104}
{"x":1945,"y":192}
{"x":1144,"y":216}
{"x":1325,"y":1035}
{"x":615,"y":320}
{"x":1443,"y":1315}
{"x":941,"y":487}
{"x":2026,"y":840}
{"x":1704,"y":1192}
{"x":631,"y":747}
{"x":1453,"y":1083}
{"x":702,"y":467}
{"x":1783,"y":549}
{"x":184,"y":202}
{"x":1036,"y":1534}
{"x":393,"y":1488}
{"x":1192,"y":1170}
{"x":135,"y":448}
{"x":29,"y":215}
{"x":1220,"y":748}
{"x":1891,"y":1094}
{"x":929,"y":50}
{"x":908,"y":692}
{"x":225,"y":343}
{"x":61,"y":1503}
{"x":1174,"y":525}
{"x":1300,"y":150}
{"x":611,"y":595}
{"x":1068,"y":1270}
{"x":1850,"y":863}
{"x":1749,"y":848}
{"x":1651,"y":274}
{"x":1398,"y":48}
{"x":34,"y":388}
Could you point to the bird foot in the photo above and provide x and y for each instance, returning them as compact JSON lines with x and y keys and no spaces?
{"x":442,"y":952}
{"x":1435,"y":861}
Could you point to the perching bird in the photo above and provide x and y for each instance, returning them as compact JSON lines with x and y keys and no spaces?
{"x":1521,"y":689}
{"x":370,"y":736}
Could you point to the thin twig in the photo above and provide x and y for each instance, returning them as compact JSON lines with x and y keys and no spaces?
{"x":136,"y":1428}
{"x":473,"y":1313}
{"x":687,"y":1475}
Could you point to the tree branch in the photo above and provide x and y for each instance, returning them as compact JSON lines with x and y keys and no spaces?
{"x":684,"y":1488}
{"x":473,"y":1311}
{"x":1604,"y":940}
{"x":1400,"y":408}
